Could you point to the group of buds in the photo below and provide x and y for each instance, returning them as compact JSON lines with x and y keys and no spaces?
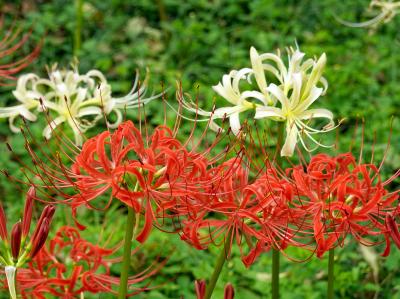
{"x":200,"y":287}
{"x":17,"y":249}
{"x":70,"y":266}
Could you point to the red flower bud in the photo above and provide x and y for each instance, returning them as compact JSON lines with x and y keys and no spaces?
{"x":40,"y":238}
{"x":200,"y":286}
{"x":47,"y":213}
{"x":3,"y":224}
{"x":27,"y":218}
{"x":16,"y":239}
{"x":229,"y":292}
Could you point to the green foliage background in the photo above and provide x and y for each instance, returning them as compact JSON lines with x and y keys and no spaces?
{"x":196,"y":42}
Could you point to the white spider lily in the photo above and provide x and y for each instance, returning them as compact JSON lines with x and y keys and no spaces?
{"x":297,"y":92}
{"x":229,"y":89}
{"x":389,"y":9}
{"x":28,"y":99}
{"x":78,"y":100}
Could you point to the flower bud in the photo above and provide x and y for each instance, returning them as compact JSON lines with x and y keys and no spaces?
{"x":27,"y":218}
{"x":200,"y":286}
{"x":40,"y":238}
{"x":229,"y":292}
{"x":16,"y":239}
{"x":47,"y":213}
{"x":3,"y":224}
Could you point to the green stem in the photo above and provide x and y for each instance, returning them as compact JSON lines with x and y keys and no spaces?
{"x":275,"y":274}
{"x":218,"y":266}
{"x":78,"y":27}
{"x":275,"y":252}
{"x":123,"y":287}
{"x":331,"y":275}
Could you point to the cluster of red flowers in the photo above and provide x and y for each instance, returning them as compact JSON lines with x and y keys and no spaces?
{"x":319,"y":203}
{"x":314,"y":206}
{"x":70,"y":266}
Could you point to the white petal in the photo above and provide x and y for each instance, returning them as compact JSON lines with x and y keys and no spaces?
{"x":314,"y":95}
{"x":6,"y":112}
{"x":115,"y":124}
{"x":291,"y":140}
{"x":48,"y":130}
{"x":234,"y":122}
{"x":256,"y":95}
{"x":295,"y":96}
{"x":98,"y":74}
{"x":267,"y":111}
{"x":27,"y":114}
{"x":315,"y":75}
{"x":258,"y":69}
{"x":91,"y":110}
{"x":279,"y":95}
{"x":316,"y":113}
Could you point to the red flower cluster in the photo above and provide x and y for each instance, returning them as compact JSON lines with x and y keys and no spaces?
{"x":152,"y":174}
{"x":320,"y":203}
{"x":70,"y":266}
{"x":315,"y":204}
{"x":339,"y":197}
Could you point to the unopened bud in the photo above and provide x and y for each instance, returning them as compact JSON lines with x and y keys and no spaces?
{"x":229,"y":292}
{"x":27,"y":218}
{"x":3,"y":224}
{"x":47,"y":213}
{"x":16,"y":239}
{"x":40,"y":239}
{"x":200,"y":286}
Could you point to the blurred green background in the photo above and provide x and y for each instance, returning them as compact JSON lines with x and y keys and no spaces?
{"x":196,"y":42}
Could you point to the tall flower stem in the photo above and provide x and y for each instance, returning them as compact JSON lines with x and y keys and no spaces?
{"x":275,"y":274}
{"x":123,"y":287}
{"x":275,"y":252}
{"x":218,"y":266}
{"x":331,"y":275}
{"x":78,"y":27}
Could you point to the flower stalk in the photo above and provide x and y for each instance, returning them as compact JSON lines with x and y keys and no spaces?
{"x":123,"y":287}
{"x":218,"y":265}
{"x":78,"y":27}
{"x":275,"y":274}
{"x":275,"y":252}
{"x":331,"y":274}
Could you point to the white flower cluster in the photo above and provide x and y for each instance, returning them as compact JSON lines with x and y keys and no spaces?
{"x":295,"y":87}
{"x":78,"y":100}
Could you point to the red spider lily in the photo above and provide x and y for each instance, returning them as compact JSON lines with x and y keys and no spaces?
{"x":155,"y":173}
{"x":245,"y":212}
{"x":200,"y":287}
{"x":10,"y":44}
{"x":70,"y":266}
{"x":141,"y":173}
{"x":343,"y":197}
{"x":20,"y":249}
